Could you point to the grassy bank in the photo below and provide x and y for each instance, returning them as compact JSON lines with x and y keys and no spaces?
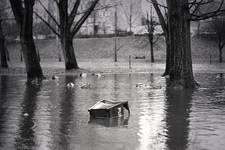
{"x":94,"y":48}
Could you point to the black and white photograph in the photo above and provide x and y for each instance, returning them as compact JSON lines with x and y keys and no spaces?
{"x":112,"y":74}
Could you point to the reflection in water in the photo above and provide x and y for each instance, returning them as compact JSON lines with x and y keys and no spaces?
{"x":110,"y":122}
{"x":178,"y":118}
{"x":151,"y":117}
{"x":26,"y":136}
{"x":115,"y":87}
{"x":57,"y":116}
{"x":3,"y":92}
{"x":66,"y":113}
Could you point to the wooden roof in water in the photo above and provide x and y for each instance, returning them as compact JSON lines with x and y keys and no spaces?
{"x":106,"y":104}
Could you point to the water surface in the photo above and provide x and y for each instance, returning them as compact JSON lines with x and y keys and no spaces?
{"x":49,"y":115}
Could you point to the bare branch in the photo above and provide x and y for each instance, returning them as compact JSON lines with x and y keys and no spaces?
{"x":56,"y":1}
{"x":73,"y":13}
{"x":121,"y":46}
{"x":103,"y":7}
{"x":46,"y":23}
{"x":162,"y":20}
{"x":153,"y":2}
{"x":203,"y":16}
{"x":84,"y":17}
{"x":48,"y":12}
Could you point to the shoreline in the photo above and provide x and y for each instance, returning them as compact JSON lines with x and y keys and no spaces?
{"x":108,"y":67}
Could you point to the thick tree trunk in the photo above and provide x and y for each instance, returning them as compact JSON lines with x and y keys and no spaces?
{"x":167,"y":70}
{"x":23,"y":12}
{"x":33,"y":67}
{"x":66,"y":37}
{"x":181,"y":73}
{"x":68,"y":53}
{"x":3,"y":50}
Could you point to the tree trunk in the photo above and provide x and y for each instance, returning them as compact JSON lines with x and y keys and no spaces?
{"x":33,"y":67}
{"x":181,"y":73}
{"x":115,"y":50}
{"x":3,"y":51}
{"x":167,"y":70}
{"x":152,"y":53}
{"x":150,"y":37}
{"x":220,"y":55}
{"x":66,"y":37}
{"x":68,"y":53}
{"x":23,"y":12}
{"x":7,"y":54}
{"x":21,"y":55}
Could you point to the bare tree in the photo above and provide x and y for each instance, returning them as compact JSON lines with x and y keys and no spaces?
{"x":69,"y":24}
{"x":218,"y":25}
{"x":23,"y":12}
{"x":151,"y":24}
{"x":117,"y":45}
{"x":180,"y":14}
{"x":161,"y":11}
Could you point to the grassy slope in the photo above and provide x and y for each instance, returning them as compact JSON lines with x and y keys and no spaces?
{"x":104,"y":48}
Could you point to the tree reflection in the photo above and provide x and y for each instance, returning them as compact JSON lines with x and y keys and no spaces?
{"x":66,"y":113}
{"x":26,"y":134}
{"x":177,"y":117}
{"x":3,"y":92}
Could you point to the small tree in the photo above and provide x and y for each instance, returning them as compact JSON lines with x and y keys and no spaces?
{"x":151,"y":24}
{"x":218,"y":25}
{"x":117,"y":45}
{"x":23,"y":12}
{"x":161,"y":11}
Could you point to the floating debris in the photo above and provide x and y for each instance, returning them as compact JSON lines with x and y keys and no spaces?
{"x":140,"y":85}
{"x":55,"y":77}
{"x":83,"y":75}
{"x":85,"y":86}
{"x":70,"y":85}
{"x":166,"y":76}
{"x":99,"y":75}
{"x":147,"y":86}
{"x":219,"y":76}
{"x":108,"y":109}
{"x":25,"y":114}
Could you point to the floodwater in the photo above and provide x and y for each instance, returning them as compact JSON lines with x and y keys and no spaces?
{"x":51,"y":116}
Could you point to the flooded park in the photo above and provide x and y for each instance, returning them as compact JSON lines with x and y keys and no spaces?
{"x":50,"y":115}
{"x":112,"y":75}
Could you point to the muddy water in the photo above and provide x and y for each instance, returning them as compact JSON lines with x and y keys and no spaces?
{"x":50,"y":116}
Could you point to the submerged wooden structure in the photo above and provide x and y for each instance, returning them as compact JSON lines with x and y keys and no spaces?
{"x":108,"y":109}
